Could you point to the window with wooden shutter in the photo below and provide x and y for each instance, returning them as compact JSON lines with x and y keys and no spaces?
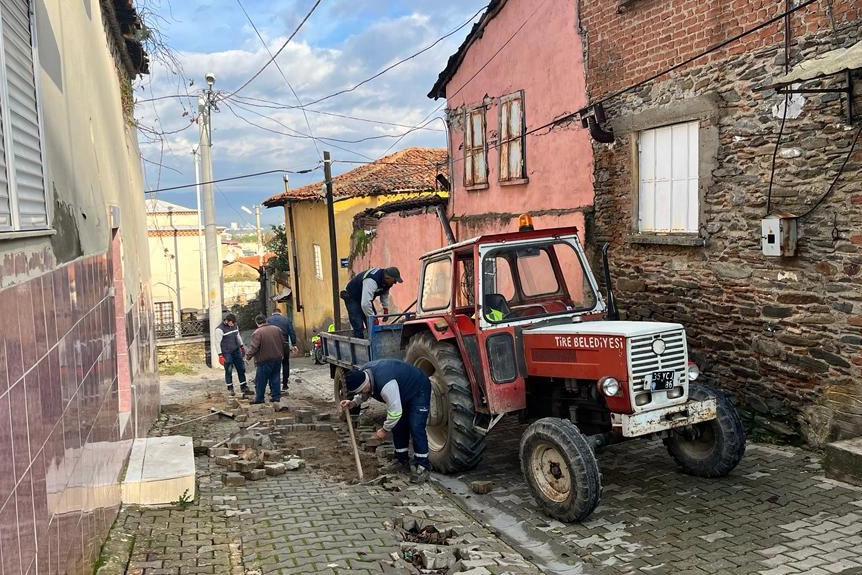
{"x":668,"y":168}
{"x":513,"y":165}
{"x":475,"y":149}
{"x":22,"y":188}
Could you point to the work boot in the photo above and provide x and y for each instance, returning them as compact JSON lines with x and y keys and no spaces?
{"x":395,"y":467}
{"x":230,"y":390}
{"x":419,"y":474}
{"x":244,"y":390}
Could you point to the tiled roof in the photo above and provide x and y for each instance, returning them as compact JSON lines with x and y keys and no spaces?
{"x":253,"y":260}
{"x":163,"y":207}
{"x":424,"y":201}
{"x":409,"y":170}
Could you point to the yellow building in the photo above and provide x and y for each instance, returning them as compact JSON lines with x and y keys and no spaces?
{"x":407,"y":173}
{"x":176,"y":265}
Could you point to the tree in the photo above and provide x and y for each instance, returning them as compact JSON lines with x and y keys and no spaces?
{"x":278,"y":245}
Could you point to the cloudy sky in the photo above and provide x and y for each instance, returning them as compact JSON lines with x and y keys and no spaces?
{"x":260,"y":128}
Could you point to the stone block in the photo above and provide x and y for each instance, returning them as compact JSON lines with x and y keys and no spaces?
{"x":246,"y":466}
{"x":271,"y":455}
{"x":274,"y":469}
{"x":233,"y":479}
{"x":307,"y":452}
{"x":324,"y":417}
{"x":371,"y":445}
{"x":431,"y":557}
{"x":241,"y":417}
{"x":304,"y":416}
{"x":218,"y":451}
{"x":843,"y":461}
{"x":256,"y":474}
{"x":481,"y":487}
{"x":226,"y":460}
{"x":294,"y":464}
{"x":284,"y":421}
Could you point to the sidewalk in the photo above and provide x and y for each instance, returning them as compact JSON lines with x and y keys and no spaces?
{"x":305,"y":521}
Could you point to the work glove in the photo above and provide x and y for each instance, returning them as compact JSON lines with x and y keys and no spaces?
{"x":242,"y":349}
{"x":376,"y":321}
{"x":220,"y":359}
{"x":386,"y":311}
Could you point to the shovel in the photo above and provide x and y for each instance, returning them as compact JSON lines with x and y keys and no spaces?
{"x":355,"y":447}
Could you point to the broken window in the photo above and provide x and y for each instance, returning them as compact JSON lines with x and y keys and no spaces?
{"x":668,"y":179}
{"x":475,"y":149}
{"x":513,"y":165}
{"x":22,"y":189}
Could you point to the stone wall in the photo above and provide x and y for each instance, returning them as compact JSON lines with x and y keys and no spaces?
{"x":781,"y":334}
{"x":189,"y":351}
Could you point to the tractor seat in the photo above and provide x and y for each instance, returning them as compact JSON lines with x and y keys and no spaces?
{"x":498,"y":302}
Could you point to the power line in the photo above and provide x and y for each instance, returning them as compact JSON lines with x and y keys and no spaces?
{"x":280,"y":106}
{"x":283,"y":75}
{"x":399,"y":62}
{"x":279,"y":51}
{"x":254,"y":175}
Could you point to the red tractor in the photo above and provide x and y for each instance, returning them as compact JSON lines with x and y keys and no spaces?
{"x":514,"y":323}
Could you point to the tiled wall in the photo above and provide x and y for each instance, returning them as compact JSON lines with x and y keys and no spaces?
{"x":63,"y":439}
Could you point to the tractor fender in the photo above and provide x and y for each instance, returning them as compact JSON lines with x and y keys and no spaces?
{"x":438,"y":327}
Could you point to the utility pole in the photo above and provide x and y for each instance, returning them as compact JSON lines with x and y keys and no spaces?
{"x":178,"y":328}
{"x":333,"y":248}
{"x":259,"y":235}
{"x":214,"y":293}
{"x":201,"y":257}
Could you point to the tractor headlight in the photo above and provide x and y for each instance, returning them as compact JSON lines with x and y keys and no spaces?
{"x":693,"y":371}
{"x":609,"y":386}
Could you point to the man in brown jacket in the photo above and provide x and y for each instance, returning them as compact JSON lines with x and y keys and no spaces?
{"x":267,"y":349}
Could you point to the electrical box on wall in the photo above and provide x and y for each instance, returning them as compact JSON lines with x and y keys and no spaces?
{"x":778,"y":236}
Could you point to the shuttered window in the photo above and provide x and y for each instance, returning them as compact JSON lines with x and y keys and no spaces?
{"x":22,"y":188}
{"x":668,"y":179}
{"x":512,"y":159}
{"x":475,"y":150}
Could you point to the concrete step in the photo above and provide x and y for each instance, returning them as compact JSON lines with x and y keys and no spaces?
{"x":843,"y":461}
{"x":160,"y":471}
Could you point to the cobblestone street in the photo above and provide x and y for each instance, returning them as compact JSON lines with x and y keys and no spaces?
{"x":299,"y":522}
{"x":776,"y":514}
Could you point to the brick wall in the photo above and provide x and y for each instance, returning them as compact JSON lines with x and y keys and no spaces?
{"x":781,"y":334}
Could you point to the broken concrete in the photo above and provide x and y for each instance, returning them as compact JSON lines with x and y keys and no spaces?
{"x":481,"y":487}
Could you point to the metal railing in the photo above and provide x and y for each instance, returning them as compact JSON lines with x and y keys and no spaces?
{"x":186,"y":328}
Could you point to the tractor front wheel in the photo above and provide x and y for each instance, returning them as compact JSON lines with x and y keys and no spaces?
{"x":560,"y":469}
{"x":712,"y":448}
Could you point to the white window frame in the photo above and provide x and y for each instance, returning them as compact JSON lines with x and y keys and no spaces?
{"x":475,"y":146}
{"x":513,"y":140}
{"x":668,"y":179}
{"x":318,"y":262}
{"x":14,"y":223}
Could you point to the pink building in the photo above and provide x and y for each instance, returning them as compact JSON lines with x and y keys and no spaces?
{"x":520,"y":68}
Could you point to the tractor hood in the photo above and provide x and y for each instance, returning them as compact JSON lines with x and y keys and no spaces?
{"x":606,"y":328}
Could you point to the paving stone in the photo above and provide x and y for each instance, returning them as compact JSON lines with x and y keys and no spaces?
{"x":233,"y":479}
{"x":218,"y":451}
{"x":304,"y":416}
{"x":275,"y":469}
{"x":226,"y":460}
{"x":256,"y":474}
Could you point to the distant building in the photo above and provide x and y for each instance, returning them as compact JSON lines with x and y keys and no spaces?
{"x":175,"y":243}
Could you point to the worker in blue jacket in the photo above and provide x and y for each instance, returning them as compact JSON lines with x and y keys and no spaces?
{"x":406,"y":391}
{"x":360,"y":292}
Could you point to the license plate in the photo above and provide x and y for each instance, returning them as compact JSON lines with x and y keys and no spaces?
{"x":662,"y":380}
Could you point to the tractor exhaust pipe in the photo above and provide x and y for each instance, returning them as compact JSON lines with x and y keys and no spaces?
{"x":444,"y":223}
{"x":613,"y":312}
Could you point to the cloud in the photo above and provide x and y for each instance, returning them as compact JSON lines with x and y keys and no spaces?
{"x":342,"y":44}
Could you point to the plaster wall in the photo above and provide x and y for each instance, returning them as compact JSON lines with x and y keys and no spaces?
{"x":545,"y":60}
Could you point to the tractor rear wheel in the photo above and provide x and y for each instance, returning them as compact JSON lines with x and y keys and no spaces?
{"x":454,"y":445}
{"x":712,"y":448}
{"x":561,"y":469}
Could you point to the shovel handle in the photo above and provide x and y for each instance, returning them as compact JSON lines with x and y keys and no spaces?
{"x":355,"y":447}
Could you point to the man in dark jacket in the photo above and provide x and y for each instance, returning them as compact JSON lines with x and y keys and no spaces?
{"x":406,"y":391}
{"x":267,"y":349}
{"x":286,"y":327}
{"x":360,"y":292}
{"x":231,"y":349}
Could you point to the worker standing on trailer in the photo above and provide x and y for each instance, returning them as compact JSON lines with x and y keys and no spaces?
{"x":360,"y":292}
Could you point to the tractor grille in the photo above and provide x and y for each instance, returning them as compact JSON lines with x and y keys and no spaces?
{"x":644,"y":361}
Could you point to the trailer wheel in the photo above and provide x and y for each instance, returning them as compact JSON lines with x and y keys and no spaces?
{"x":561,"y":469}
{"x":453,"y":443}
{"x":712,"y":448}
{"x":339,"y":390}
